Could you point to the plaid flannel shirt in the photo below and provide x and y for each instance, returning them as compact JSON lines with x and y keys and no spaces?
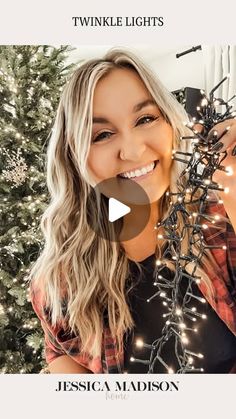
{"x":223,"y":279}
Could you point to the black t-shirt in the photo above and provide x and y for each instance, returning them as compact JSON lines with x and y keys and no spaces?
{"x":213,"y":339}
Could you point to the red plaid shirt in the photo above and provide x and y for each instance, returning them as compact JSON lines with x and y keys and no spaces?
{"x":223,"y":280}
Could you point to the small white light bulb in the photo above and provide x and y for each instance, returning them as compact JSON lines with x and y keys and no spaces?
{"x":184,"y":339}
{"x":139,"y":343}
{"x":229,"y":171}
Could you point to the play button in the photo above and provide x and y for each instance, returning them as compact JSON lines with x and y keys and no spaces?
{"x":118,"y":209}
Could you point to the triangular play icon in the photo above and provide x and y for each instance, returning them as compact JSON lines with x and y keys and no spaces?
{"x":116,"y":209}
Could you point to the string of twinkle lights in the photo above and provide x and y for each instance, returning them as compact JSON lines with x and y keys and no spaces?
{"x":193,"y":187}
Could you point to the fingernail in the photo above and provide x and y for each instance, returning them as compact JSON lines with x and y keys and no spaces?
{"x":213,"y":137}
{"x":213,"y":134}
{"x":217,"y":146}
{"x":234,"y":151}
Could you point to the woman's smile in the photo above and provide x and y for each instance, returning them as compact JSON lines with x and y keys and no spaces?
{"x":140,"y":173}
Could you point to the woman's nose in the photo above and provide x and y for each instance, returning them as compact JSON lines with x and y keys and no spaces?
{"x":131,"y":148}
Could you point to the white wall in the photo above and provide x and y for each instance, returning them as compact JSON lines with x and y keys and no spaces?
{"x":187,"y":71}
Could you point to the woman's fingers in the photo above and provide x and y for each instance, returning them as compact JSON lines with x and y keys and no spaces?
{"x":225,"y":133}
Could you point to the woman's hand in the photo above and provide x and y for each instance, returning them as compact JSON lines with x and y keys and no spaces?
{"x":228,"y":142}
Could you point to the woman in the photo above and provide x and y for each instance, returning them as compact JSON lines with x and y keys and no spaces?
{"x":116,"y":120}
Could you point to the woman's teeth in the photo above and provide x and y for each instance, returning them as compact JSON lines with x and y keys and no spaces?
{"x":138,"y":172}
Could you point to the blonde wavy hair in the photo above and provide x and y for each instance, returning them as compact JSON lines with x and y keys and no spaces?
{"x":89,"y":271}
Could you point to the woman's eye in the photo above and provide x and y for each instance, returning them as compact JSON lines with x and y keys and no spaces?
{"x":146,"y":119}
{"x":102,"y":136}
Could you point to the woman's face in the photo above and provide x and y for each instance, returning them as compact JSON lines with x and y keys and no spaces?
{"x":130,"y":138}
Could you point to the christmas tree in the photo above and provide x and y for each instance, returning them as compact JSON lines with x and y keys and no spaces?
{"x":31,"y":80}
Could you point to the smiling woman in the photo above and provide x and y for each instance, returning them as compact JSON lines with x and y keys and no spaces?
{"x":130,"y":139}
{"x":116,"y":120}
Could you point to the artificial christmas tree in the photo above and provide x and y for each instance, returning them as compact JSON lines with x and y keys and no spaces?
{"x":31,"y":80}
